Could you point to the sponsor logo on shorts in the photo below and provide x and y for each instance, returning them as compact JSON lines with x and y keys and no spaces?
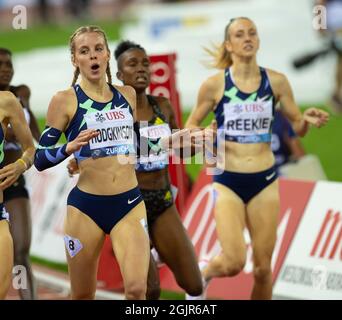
{"x":131,"y":201}
{"x":269,"y":177}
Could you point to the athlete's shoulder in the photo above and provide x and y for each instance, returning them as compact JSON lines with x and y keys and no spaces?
{"x":162,"y":101}
{"x":6,"y":95}
{"x":9,"y":104}
{"x":164,"y":105}
{"x":217,"y":77}
{"x":22,"y":90}
{"x":212,"y":83}
{"x":129,"y":93}
{"x":65,"y":94}
{"x":125,"y":90}
{"x":63,"y":99}
{"x":275,"y":77}
{"x":6,"y":98}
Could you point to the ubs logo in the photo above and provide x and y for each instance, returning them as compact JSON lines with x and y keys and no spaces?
{"x":238,"y":108}
{"x":99,"y":117}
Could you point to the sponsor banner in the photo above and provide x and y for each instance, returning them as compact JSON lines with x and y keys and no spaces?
{"x":48,"y":193}
{"x":199,"y":221}
{"x":312,"y":268}
{"x":163,"y":80}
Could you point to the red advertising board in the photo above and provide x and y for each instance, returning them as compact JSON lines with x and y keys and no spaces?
{"x":330,"y":230}
{"x":312,"y":266}
{"x":163,"y":83}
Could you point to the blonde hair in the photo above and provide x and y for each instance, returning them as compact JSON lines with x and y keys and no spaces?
{"x":78,"y":32}
{"x":221,"y":57}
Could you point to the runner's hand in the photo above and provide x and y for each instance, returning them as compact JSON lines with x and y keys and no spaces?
{"x":73,"y":167}
{"x":81,"y":140}
{"x":316,"y":117}
{"x":10,"y":174}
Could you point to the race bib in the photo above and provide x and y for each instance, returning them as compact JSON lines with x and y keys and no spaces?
{"x":151,"y":156}
{"x":248,"y":122}
{"x":73,"y":245}
{"x":156,"y":131}
{"x":115,"y":129}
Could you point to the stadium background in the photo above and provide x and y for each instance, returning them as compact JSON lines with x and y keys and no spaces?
{"x":41,"y":55}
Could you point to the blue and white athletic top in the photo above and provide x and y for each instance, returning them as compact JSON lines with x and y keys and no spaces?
{"x":246,"y":118}
{"x":113,"y":120}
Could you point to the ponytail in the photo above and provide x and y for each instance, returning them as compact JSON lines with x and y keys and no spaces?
{"x":76,"y":74}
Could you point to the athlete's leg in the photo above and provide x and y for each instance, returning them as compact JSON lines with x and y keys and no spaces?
{"x":83,"y":266}
{"x":262,"y":218}
{"x":171,"y":241}
{"x":230,"y":223}
{"x":131,"y":246}
{"x":21,"y":233}
{"x":153,"y":281}
{"x":6,"y":254}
